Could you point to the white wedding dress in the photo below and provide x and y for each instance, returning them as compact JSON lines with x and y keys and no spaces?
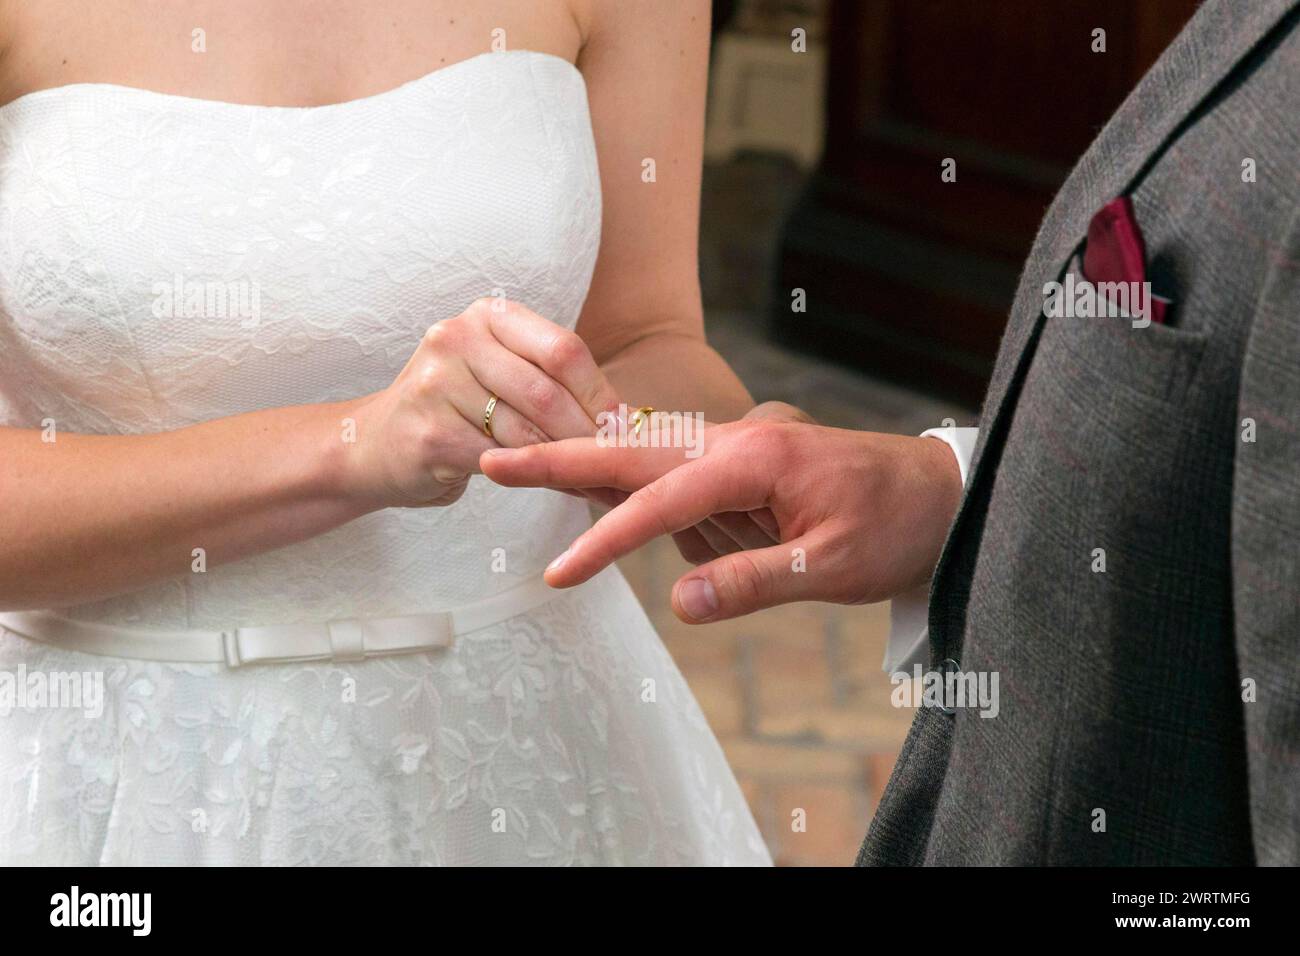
{"x":563,"y":735}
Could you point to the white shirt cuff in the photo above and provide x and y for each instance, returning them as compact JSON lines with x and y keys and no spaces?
{"x":909,"y":642}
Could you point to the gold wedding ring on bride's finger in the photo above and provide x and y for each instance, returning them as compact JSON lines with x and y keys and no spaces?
{"x":639,"y":418}
{"x":487,"y":416}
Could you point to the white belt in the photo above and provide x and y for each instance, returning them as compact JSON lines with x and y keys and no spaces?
{"x":346,"y":639}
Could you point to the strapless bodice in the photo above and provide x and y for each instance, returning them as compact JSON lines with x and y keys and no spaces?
{"x":167,"y":260}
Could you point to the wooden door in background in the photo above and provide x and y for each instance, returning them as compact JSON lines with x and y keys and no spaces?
{"x":909,"y":276}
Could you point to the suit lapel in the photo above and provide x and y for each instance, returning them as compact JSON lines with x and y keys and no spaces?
{"x":1220,"y":34}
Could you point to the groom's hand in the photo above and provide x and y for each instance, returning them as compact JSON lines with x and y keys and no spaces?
{"x":732,"y":531}
{"x":859,"y":516}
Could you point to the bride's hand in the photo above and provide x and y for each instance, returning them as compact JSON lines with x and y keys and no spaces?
{"x":418,"y":441}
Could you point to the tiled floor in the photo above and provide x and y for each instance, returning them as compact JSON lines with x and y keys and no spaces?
{"x":795,"y":694}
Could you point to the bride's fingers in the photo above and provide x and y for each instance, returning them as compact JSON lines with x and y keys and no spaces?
{"x":537,"y":396}
{"x":561,"y":354}
{"x":509,"y":428}
{"x":513,"y":430}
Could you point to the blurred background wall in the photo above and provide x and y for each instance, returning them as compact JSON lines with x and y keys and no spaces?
{"x":829,"y":122}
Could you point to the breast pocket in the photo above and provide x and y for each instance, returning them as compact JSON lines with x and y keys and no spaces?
{"x":1109,"y":443}
{"x":1155,"y":361}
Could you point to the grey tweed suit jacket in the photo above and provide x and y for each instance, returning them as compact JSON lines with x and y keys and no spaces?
{"x":1165,"y":691}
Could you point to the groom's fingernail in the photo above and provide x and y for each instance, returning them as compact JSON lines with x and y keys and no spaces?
{"x":557,"y":563}
{"x":698,"y":598}
{"x":498,"y":452}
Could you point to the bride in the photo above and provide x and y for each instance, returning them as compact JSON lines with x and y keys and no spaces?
{"x":272,"y":276}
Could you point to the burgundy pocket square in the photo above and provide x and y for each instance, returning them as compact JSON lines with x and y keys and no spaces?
{"x":1116,"y":252}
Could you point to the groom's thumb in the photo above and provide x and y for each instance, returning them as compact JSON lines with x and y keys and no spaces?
{"x":737,"y":584}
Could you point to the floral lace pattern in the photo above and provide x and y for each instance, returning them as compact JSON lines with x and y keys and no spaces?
{"x":337,"y":235}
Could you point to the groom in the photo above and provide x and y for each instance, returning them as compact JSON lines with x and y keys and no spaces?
{"x":1122,"y":547}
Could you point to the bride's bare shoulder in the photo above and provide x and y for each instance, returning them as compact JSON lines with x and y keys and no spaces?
{"x":35,"y":46}
{"x":14,"y":70}
{"x":630,"y":18}
{"x":6,"y":44}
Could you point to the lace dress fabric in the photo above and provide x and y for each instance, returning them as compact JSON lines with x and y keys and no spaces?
{"x":337,"y":234}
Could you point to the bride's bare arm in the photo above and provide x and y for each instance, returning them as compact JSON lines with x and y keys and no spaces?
{"x":646,"y":66}
{"x":89,"y":516}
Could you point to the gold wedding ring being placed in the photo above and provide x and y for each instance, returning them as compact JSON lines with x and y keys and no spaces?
{"x":487,"y":415}
{"x":639,"y":418}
